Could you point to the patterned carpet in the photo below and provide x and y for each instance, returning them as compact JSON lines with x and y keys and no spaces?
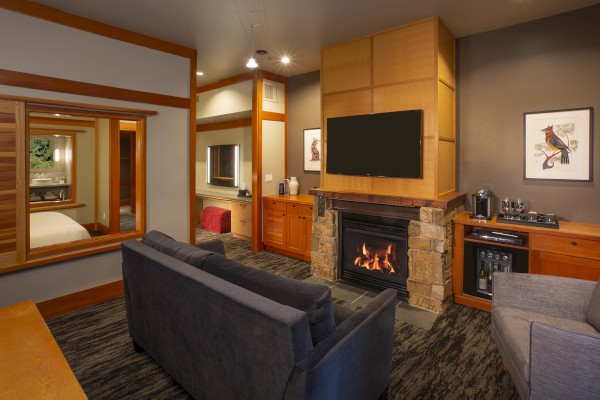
{"x":455,"y":359}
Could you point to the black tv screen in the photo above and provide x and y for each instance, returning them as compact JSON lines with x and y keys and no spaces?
{"x":383,"y":144}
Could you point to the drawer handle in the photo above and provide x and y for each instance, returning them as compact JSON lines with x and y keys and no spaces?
{"x":243,"y":220}
{"x":574,"y":243}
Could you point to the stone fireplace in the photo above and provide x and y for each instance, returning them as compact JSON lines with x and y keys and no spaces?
{"x":429,"y":241}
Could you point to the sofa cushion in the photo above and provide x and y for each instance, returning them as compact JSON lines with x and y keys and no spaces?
{"x":592,"y":315}
{"x":311,"y":298}
{"x":182,"y":251}
{"x":514,"y":325}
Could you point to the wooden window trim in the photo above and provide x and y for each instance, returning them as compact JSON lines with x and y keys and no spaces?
{"x":40,"y":82}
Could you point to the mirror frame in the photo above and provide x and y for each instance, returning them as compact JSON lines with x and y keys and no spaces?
{"x":98,"y":244}
{"x":218,"y":179}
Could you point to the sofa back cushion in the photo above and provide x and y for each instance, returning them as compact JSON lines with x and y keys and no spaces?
{"x":171,"y":247}
{"x":218,"y":340}
{"x":592,"y":314}
{"x":311,"y":298}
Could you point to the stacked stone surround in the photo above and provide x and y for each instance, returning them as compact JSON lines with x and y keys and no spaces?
{"x":430,"y":241}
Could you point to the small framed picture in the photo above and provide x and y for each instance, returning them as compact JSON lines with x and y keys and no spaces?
{"x":312,"y":149}
{"x":558,"y":145}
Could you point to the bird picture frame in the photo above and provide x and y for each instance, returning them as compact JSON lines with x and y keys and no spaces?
{"x":312,"y":150}
{"x":558,"y":145}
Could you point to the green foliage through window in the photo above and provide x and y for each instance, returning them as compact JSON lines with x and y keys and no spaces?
{"x":40,"y":154}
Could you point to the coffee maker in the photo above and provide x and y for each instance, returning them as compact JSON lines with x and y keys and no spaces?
{"x":482,"y":205}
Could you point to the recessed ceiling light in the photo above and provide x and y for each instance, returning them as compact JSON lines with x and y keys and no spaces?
{"x":285,"y":59}
{"x":199,"y":73}
{"x":57,"y":115}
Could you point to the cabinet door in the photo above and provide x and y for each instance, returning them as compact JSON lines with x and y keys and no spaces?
{"x":274,"y":229}
{"x":295,"y":233}
{"x":568,"y":266}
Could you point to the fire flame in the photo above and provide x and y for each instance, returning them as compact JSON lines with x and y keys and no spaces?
{"x":378,"y":260}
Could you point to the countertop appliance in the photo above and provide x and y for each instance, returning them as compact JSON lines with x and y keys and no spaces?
{"x":482,"y":206}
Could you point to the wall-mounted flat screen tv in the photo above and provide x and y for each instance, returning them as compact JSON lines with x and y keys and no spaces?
{"x":382,"y":144}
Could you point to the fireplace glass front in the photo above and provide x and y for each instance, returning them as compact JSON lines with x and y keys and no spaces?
{"x":374,"y":251}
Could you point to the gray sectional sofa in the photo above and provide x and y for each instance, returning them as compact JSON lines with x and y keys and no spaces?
{"x":224,"y":330}
{"x":547,"y":329}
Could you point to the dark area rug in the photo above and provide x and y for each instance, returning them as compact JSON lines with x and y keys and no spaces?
{"x":455,"y":359}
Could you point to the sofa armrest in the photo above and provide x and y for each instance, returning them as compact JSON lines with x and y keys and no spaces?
{"x":355,"y":361}
{"x":563,"y":364}
{"x":551,"y":295}
{"x":214,"y":245}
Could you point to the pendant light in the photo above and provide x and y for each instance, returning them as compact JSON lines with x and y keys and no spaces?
{"x":252,"y":62}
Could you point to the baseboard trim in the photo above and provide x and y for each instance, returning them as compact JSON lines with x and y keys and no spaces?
{"x":74,"y":301}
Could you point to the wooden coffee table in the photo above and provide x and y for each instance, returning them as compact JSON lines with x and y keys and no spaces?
{"x":31,"y":363}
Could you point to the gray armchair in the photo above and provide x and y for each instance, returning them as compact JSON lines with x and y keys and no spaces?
{"x":547,"y":331}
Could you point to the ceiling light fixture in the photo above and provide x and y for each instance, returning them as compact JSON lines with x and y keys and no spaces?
{"x":252,"y":62}
{"x":285,"y":59}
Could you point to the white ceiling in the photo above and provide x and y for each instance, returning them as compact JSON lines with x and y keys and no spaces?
{"x":220,"y":29}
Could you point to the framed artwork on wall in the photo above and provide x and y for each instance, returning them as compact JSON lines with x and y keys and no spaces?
{"x":312,"y":149}
{"x":558,"y":145}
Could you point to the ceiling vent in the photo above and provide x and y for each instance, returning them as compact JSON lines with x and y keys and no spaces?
{"x":270,"y":92}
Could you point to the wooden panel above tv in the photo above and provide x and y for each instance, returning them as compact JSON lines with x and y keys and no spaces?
{"x":409,"y":67}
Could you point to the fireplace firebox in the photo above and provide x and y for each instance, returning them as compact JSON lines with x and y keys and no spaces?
{"x":373,"y":251}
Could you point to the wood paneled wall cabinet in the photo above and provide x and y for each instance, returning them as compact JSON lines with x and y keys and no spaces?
{"x":571,"y":251}
{"x":287,"y":225}
{"x":406,"y":68}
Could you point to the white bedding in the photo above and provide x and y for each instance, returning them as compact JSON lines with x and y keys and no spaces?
{"x":50,"y":227}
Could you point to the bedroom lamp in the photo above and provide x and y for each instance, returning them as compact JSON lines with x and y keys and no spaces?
{"x":252,"y":62}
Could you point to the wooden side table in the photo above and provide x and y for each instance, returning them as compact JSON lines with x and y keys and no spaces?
{"x":31,"y":363}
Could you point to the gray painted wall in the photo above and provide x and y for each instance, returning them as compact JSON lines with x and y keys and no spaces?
{"x":304,"y":112}
{"x":549,"y":64}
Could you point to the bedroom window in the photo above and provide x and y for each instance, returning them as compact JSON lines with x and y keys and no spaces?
{"x":84,"y":178}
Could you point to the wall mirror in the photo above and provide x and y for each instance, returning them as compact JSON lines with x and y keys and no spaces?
{"x":52,"y":173}
{"x":223,"y":165}
{"x":85,"y":179}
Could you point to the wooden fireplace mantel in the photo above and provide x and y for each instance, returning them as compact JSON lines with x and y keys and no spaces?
{"x":445,"y":201}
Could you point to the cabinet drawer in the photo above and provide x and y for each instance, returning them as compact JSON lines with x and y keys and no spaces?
{"x":565,"y":245}
{"x":294,"y":208}
{"x":241,"y":226}
{"x":274,"y":205}
{"x":307,"y":210}
{"x":241,"y":210}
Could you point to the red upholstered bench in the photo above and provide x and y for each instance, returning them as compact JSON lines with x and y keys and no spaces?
{"x":215,"y":219}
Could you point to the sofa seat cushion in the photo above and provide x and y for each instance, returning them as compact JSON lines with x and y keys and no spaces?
{"x":592,"y":314}
{"x":514,"y":326}
{"x":182,"y":251}
{"x":311,"y":298}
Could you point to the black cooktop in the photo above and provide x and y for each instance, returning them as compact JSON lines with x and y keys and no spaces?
{"x":531,"y":218}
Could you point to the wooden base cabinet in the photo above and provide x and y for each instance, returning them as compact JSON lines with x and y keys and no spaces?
{"x":572,"y":251}
{"x":241,"y":219}
{"x":287,"y":225}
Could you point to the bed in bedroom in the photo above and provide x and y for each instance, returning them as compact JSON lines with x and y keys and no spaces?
{"x":50,"y":227}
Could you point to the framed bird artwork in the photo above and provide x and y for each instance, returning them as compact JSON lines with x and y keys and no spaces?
{"x":558,"y":144}
{"x":312,"y":149}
